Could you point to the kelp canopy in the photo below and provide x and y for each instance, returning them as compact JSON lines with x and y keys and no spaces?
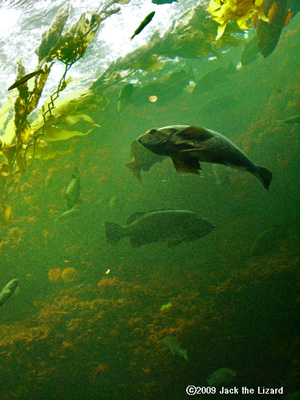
{"x":26,"y":134}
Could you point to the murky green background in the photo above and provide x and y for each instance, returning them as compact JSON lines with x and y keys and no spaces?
{"x":101,"y":336}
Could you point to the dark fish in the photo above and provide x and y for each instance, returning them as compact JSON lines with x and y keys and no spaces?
{"x":125,"y":96}
{"x":142,"y":160}
{"x":142,"y":25}
{"x":291,"y":120}
{"x":172,"y":226}
{"x":187,"y":145}
{"x":72,"y":193}
{"x":25,"y":78}
{"x":164,"y":1}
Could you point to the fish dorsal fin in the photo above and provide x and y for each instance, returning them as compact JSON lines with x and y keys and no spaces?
{"x":133,"y":217}
{"x":195,"y":133}
{"x":182,"y":168}
{"x":161,"y":209}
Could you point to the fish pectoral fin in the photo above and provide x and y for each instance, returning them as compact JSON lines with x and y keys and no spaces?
{"x":187,"y":166}
{"x":134,"y":170}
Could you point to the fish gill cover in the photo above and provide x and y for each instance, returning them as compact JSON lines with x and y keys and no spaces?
{"x":91,"y":318}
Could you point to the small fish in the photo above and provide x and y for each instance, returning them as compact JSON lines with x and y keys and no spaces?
{"x":172,"y":226}
{"x":175,"y":347}
{"x":142,"y":25}
{"x":221,"y":377}
{"x":8,"y":291}
{"x":25,"y":78}
{"x":187,"y":145}
{"x":66,"y":214}
{"x":164,"y":1}
{"x":72,"y":193}
{"x":125,"y":96}
{"x":290,"y":121}
{"x":142,"y":160}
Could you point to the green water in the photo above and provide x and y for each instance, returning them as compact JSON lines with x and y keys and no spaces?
{"x":100,"y":335}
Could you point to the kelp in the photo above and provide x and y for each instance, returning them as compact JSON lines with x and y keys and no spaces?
{"x":67,"y":113}
{"x":23,"y":140}
{"x":242,"y":11}
{"x":192,"y":37}
{"x":5,"y":109}
{"x":62,"y":119}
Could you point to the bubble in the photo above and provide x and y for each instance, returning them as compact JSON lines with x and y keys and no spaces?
{"x":153,"y":99}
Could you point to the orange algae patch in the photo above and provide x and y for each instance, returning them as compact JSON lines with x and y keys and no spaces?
{"x":97,"y":372}
{"x":69,"y":275}
{"x":66,"y":344}
{"x":107,"y":282}
{"x":54,"y":274}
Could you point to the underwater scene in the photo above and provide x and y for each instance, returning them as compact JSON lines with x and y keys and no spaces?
{"x":149,"y":215}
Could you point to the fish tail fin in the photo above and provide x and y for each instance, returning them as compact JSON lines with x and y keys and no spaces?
{"x":113,"y":232}
{"x":75,"y":174}
{"x":132,"y":168}
{"x":264,"y":175}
